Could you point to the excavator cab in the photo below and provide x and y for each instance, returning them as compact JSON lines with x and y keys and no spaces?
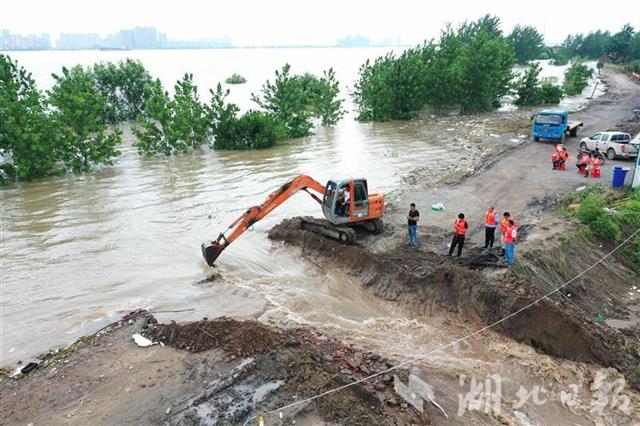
{"x":345,"y":201}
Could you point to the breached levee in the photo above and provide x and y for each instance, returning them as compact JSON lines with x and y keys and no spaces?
{"x":418,"y":279}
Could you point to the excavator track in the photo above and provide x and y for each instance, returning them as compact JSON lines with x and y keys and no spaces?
{"x":345,"y":234}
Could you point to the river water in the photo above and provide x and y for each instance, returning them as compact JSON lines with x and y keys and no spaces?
{"x":77,"y":252}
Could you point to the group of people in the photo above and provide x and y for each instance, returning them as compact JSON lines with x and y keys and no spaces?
{"x":508,"y":231}
{"x":588,"y":164}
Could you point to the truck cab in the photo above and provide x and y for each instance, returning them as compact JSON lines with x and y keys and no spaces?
{"x":550,"y":124}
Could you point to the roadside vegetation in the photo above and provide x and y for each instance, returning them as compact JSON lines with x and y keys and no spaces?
{"x":235,"y":79}
{"x":608,"y":215}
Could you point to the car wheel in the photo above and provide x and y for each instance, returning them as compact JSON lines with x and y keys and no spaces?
{"x":611,"y":154}
{"x":537,"y":139}
{"x":583,"y":146}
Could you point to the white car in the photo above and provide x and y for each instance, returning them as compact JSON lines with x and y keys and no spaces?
{"x":612,"y":144}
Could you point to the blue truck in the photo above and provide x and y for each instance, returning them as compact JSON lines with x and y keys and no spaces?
{"x":553,"y":124}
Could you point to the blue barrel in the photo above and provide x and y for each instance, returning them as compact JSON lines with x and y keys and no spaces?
{"x":619,"y":174}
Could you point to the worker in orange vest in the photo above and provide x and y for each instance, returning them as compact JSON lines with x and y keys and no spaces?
{"x":592,"y":166}
{"x":509,"y":242}
{"x":504,"y":223}
{"x":459,"y":230}
{"x":490,"y":222}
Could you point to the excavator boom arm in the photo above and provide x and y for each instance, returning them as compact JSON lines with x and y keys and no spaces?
{"x":256,"y":213}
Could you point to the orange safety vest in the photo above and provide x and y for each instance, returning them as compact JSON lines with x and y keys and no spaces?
{"x":490,"y":218}
{"x":564,"y":155}
{"x":460,"y":228}
{"x":504,"y":224}
{"x":508,"y":236}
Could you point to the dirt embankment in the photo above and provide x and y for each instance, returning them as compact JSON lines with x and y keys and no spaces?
{"x":420,"y":279}
{"x":222,"y":371}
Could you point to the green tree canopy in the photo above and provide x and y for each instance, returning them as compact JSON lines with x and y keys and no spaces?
{"x":171,"y":126}
{"x":530,"y":90}
{"x":126,"y":86}
{"x":576,"y":78}
{"x":79,"y":108}
{"x":28,"y":135}
{"x":295,"y":99}
{"x":527,"y":42}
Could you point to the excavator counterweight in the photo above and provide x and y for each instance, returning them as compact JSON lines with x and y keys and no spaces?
{"x":344,"y":203}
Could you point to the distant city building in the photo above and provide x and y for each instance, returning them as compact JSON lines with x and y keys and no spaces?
{"x":162,"y":40}
{"x":9,"y":41}
{"x":77,"y":41}
{"x":353,"y":41}
{"x":134,"y":38}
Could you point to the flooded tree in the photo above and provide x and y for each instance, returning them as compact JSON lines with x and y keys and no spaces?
{"x":296,"y":99}
{"x":469,"y":67}
{"x":576,"y":78}
{"x":252,"y":130}
{"x":173,"y":125}
{"x":30,"y":139}
{"x":531,"y":90}
{"x":527,"y":42}
{"x":126,"y":87}
{"x":79,"y":109}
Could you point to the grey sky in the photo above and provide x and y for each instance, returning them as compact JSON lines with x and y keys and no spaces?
{"x":264,"y":22}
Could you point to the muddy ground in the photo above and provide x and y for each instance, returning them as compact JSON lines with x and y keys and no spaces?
{"x":224,"y":371}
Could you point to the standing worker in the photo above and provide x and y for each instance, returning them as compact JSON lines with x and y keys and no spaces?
{"x":509,"y":242}
{"x":459,"y":230}
{"x":490,"y":222}
{"x":413,"y":217}
{"x":504,"y":223}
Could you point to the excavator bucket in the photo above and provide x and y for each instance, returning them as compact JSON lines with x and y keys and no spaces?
{"x":211,"y":251}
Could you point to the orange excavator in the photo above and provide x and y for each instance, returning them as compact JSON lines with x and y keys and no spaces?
{"x":345,"y":203}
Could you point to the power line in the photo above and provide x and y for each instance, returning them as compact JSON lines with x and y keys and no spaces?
{"x":454,"y":342}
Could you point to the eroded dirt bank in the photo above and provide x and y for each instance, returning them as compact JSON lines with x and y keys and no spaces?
{"x":420,"y":278}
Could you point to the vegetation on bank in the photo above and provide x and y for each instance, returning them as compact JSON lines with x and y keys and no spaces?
{"x":607,"y":214}
{"x":235,"y":79}
{"x":619,"y":48}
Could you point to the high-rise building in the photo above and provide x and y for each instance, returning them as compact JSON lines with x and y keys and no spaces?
{"x":145,"y":38}
{"x":10,"y":41}
{"x":75,"y":41}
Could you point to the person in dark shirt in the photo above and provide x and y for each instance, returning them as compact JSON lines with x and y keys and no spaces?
{"x":413,"y":217}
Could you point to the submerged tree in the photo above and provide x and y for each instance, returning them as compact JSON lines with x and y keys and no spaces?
{"x":171,"y":126}
{"x":295,"y":99}
{"x":79,"y":109}
{"x":29,"y":137}
{"x":576,"y":78}
{"x":530,"y":90}
{"x":252,"y":130}
{"x":527,"y":42}
{"x":125,"y":86}
{"x":469,"y":67}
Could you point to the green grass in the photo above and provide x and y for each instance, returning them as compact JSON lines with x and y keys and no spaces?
{"x":607,"y":214}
